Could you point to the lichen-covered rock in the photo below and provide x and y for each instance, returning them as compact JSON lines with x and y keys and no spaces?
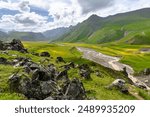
{"x":60,"y":59}
{"x":119,"y":84}
{"x":45,"y":54}
{"x":3,"y":60}
{"x":14,"y":82}
{"x":85,"y":71}
{"x":75,"y":90}
{"x":15,"y":44}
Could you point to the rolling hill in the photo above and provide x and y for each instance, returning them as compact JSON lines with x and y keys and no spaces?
{"x":131,"y":27}
{"x":32,"y":36}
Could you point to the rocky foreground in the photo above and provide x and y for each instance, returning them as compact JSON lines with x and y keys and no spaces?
{"x":37,"y":81}
{"x":45,"y":81}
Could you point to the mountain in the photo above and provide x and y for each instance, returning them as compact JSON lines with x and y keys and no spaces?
{"x":55,"y":33}
{"x":131,"y":27}
{"x":27,"y":36}
{"x":83,"y":30}
{"x":32,"y":36}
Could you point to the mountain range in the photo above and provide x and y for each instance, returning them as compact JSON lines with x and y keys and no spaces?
{"x":131,"y":27}
{"x":32,"y":36}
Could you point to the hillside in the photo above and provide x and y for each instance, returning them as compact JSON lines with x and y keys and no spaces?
{"x":131,"y":27}
{"x":32,"y":36}
{"x":55,"y":33}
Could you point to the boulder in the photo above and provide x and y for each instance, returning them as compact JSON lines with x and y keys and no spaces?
{"x":75,"y":90}
{"x":14,"y":81}
{"x":46,"y":82}
{"x":85,"y":74}
{"x":69,"y":66}
{"x":35,"y":54}
{"x":16,"y":45}
{"x":124,"y":90}
{"x":38,"y":89}
{"x":21,"y":61}
{"x":49,"y":87}
{"x":84,"y":71}
{"x":41,"y":75}
{"x":3,"y":60}
{"x":31,"y":89}
{"x":60,"y":59}
{"x":62,"y":76}
{"x":84,"y":66}
{"x":27,"y":69}
{"x":52,"y":69}
{"x":119,"y":84}
{"x":45,"y":54}
{"x":33,"y":66}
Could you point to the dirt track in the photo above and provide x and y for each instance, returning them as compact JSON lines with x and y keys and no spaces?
{"x":109,"y":62}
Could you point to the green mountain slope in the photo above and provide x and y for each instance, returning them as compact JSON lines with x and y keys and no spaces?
{"x":27,"y":36}
{"x":131,"y":27}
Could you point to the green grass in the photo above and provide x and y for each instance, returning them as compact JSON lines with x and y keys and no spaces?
{"x":130,"y":54}
{"x":95,"y":88}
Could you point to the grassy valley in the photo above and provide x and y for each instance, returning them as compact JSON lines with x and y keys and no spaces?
{"x":123,"y":35}
{"x":96,"y":88}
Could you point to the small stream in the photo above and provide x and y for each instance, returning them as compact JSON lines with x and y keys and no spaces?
{"x":110,"y":62}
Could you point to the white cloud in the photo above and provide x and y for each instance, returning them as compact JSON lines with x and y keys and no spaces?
{"x":23,"y":22}
{"x":64,"y":12}
{"x":24,"y":6}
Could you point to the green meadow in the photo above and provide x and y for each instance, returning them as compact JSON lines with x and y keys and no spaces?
{"x":96,"y":87}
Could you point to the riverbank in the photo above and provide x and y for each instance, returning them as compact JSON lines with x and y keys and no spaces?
{"x":111,"y":62}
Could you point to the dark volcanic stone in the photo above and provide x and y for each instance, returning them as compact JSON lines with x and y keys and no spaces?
{"x":18,"y":46}
{"x":3,"y":60}
{"x":13,"y":45}
{"x":69,"y":66}
{"x":62,"y":76}
{"x":45,"y":54}
{"x":85,"y":71}
{"x":14,"y":81}
{"x":60,"y":59}
{"x":41,"y":75}
{"x":75,"y":90}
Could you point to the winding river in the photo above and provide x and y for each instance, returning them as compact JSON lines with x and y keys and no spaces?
{"x":110,"y":62}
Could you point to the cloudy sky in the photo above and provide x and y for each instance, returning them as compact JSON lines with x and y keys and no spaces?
{"x":41,"y":15}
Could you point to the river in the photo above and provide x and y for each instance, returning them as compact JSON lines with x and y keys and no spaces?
{"x":111,"y":62}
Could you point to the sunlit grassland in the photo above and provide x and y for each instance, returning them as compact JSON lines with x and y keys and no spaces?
{"x":68,"y":51}
{"x":129,"y":54}
{"x":95,"y":88}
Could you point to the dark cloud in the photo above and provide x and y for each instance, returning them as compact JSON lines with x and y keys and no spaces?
{"x":92,"y":5}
